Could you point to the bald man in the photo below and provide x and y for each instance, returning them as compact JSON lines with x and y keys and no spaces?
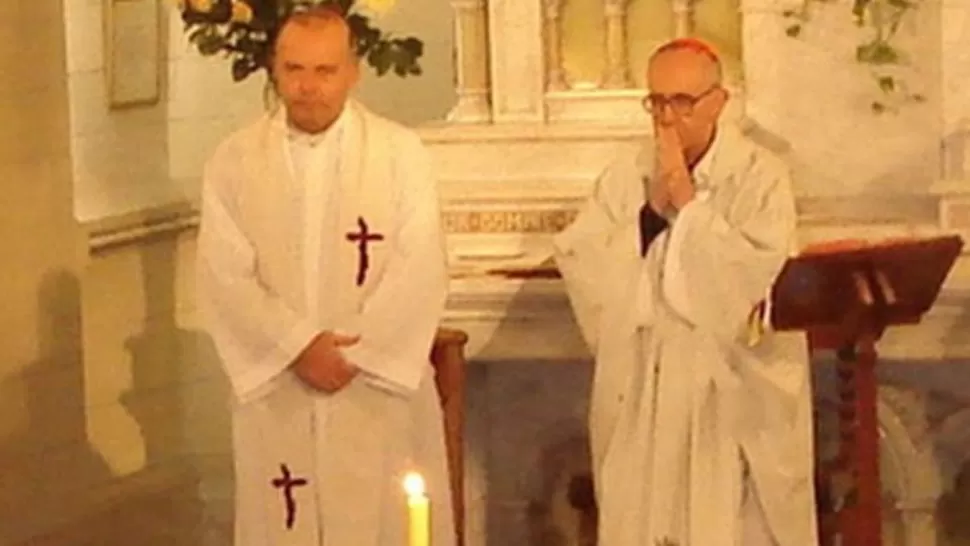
{"x":322,"y":280}
{"x":701,"y":436}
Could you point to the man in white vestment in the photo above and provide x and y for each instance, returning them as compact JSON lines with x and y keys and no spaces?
{"x":701,"y":434}
{"x":322,"y":280}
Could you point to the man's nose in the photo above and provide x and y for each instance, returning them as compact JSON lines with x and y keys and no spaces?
{"x":664,"y":114}
{"x":307,"y":86}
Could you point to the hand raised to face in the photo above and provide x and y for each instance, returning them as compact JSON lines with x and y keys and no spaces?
{"x":671,"y":167}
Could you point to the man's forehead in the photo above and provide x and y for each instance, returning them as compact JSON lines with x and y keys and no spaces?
{"x":680,"y":70}
{"x":314,"y":29}
{"x":329,"y":39}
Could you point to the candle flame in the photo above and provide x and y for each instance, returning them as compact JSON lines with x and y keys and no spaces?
{"x":414,"y":484}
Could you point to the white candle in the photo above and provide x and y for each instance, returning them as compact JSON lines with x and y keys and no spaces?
{"x":419,"y":511}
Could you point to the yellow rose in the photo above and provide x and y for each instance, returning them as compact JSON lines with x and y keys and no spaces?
{"x":241,"y":12}
{"x":377,"y":6}
{"x":201,"y":5}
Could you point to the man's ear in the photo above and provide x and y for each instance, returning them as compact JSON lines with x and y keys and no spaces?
{"x":720,"y":100}
{"x":355,"y":68}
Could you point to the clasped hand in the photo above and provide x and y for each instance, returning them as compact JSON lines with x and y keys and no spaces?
{"x":322,"y":365}
{"x":671,"y":184}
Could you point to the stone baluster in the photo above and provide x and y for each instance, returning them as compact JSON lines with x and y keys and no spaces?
{"x":471,"y":63}
{"x":683,"y":20}
{"x":617,"y":69}
{"x":555,"y":75}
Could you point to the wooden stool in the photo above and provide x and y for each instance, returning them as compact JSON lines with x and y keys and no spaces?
{"x":448,"y":360}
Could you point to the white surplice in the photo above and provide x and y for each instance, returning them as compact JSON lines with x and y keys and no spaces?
{"x":276,"y":265}
{"x":690,"y":426}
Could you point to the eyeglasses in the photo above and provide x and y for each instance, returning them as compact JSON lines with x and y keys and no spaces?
{"x":681,"y":104}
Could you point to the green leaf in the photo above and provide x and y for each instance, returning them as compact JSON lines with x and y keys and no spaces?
{"x":887,"y":84}
{"x":210,"y":45}
{"x":196,"y":33}
{"x":413,"y":46}
{"x":240,"y":69}
{"x":793,"y":31}
{"x":859,"y":8}
{"x":379,"y":58}
{"x":877,"y":52}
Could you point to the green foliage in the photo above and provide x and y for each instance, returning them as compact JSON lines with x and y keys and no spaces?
{"x":880,"y":51}
{"x":247,"y":40}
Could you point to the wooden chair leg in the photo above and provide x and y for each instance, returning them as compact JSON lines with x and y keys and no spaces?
{"x":448,"y":359}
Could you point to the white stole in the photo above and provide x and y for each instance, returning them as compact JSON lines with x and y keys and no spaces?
{"x":351,"y":464}
{"x":364,"y":173}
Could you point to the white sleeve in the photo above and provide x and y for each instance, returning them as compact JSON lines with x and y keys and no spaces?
{"x":256,"y":335}
{"x":400,"y":318}
{"x":716,"y":271}
{"x":592,"y":251}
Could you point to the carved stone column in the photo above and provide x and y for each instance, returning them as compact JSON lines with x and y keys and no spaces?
{"x":617,"y":68}
{"x":555,"y":76}
{"x":517,"y":81}
{"x":955,"y":60}
{"x":683,"y":20}
{"x":471,"y":63}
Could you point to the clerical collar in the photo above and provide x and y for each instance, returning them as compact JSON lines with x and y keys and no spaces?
{"x":297,"y":136}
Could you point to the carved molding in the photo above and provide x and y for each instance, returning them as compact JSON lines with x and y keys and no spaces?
{"x":622,"y":104}
{"x":137,"y":227}
{"x":907,"y":452}
{"x":507,"y":221}
{"x":905,"y":430}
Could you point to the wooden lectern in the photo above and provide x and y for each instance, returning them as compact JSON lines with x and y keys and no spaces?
{"x":448,"y":360}
{"x":844,"y":296}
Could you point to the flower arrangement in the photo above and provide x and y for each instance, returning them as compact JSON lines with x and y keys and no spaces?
{"x":879,"y":51}
{"x":244,"y":31}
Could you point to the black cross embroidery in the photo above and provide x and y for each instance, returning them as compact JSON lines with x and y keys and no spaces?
{"x":362,"y":237}
{"x":287,"y":483}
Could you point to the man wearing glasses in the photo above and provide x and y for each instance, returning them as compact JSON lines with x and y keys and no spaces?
{"x":701,"y":434}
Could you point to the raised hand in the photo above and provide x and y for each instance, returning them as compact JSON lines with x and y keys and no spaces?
{"x":671,"y":165}
{"x":321,"y":364}
{"x":658,"y":195}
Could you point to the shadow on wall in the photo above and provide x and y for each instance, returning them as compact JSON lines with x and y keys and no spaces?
{"x":168,"y":398}
{"x":53,"y":459}
{"x":46,"y":460}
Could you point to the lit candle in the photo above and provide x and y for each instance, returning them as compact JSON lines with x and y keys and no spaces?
{"x":419,"y":511}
